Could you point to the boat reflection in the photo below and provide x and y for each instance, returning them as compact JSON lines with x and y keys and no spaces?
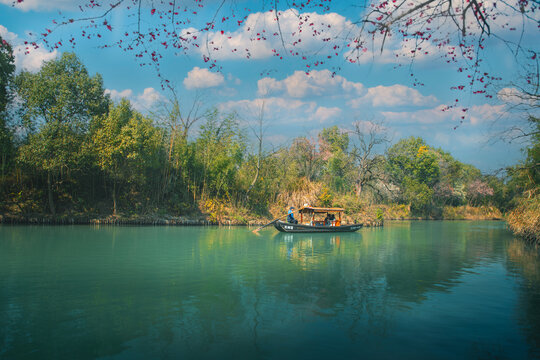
{"x":303,"y":246}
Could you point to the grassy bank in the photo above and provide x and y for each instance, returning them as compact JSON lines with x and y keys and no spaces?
{"x":524,"y":220}
{"x":212,"y":212}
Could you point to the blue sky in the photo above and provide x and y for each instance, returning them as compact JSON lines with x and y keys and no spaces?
{"x":376,"y":88}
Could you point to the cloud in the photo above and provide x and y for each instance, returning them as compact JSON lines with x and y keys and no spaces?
{"x":513,"y":96}
{"x":118,"y":95}
{"x":141,"y":102}
{"x":323,"y":113}
{"x":199,"y":78}
{"x":316,"y":83}
{"x":395,"y":95}
{"x":277,"y":110}
{"x":475,"y":115}
{"x":29,"y":60}
{"x":260,"y":35}
{"x":40,"y":5}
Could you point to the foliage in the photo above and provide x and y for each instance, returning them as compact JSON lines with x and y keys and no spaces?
{"x":81,"y":151}
{"x":334,"y":145}
{"x":61,"y":91}
{"x":478,"y":192}
{"x":7,"y":69}
{"x":125,"y":145}
{"x":57,"y":104}
{"x":325,"y":197}
{"x":524,"y":220}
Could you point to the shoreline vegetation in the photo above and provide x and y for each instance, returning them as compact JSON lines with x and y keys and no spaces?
{"x":70,"y":155}
{"x":379,"y":214}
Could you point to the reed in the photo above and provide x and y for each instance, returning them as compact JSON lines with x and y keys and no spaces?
{"x":524,"y":220}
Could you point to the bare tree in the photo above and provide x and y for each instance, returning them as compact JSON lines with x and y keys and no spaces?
{"x":258,"y":133}
{"x":367,"y":135}
{"x":178,"y":124}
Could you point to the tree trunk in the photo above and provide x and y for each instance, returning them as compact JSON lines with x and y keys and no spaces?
{"x":4,"y":158}
{"x":114,"y":197}
{"x":358,"y":189}
{"x":49,"y":190}
{"x":258,"y":170}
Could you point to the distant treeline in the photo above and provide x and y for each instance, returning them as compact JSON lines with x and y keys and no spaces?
{"x":66,"y":148}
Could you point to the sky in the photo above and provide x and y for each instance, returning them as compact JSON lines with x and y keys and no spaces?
{"x":300,"y":94}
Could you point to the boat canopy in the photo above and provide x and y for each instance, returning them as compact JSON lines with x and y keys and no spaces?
{"x":319,"y":210}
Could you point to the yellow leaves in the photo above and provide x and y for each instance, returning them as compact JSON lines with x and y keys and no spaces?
{"x":422,"y":150}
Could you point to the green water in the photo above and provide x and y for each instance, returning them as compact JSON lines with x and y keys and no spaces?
{"x":417,"y":290}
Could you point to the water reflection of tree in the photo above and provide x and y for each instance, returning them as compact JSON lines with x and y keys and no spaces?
{"x":524,"y":261}
{"x":182,"y":291}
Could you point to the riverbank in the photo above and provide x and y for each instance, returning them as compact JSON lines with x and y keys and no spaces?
{"x":370,"y":216}
{"x":524,"y":220}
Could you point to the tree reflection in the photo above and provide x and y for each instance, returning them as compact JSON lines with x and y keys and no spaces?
{"x":137,"y":292}
{"x":524,"y":262}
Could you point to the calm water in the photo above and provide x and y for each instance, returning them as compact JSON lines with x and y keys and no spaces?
{"x":418,"y":290}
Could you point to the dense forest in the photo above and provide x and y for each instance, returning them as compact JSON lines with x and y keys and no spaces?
{"x":67,"y":150}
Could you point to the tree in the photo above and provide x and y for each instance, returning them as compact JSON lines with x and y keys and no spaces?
{"x":306,"y":157}
{"x":57,"y":104}
{"x":177,"y":121}
{"x":413,"y":166}
{"x":367,"y":164}
{"x":7,"y":69}
{"x":478,"y":192}
{"x":258,"y":131}
{"x":218,"y":153}
{"x":334,"y":145}
{"x":526,"y":175}
{"x":125,"y":144}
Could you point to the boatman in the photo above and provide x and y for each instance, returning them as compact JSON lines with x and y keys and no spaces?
{"x":290,"y":216}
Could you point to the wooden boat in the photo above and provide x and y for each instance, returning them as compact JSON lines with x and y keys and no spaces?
{"x":308,"y":213}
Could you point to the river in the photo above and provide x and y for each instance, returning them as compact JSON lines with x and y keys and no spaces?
{"x":410,"y":290}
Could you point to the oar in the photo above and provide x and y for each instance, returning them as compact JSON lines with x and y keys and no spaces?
{"x":271,"y":222}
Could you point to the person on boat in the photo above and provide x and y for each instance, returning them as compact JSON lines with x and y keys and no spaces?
{"x":327,"y":220}
{"x":290,"y":216}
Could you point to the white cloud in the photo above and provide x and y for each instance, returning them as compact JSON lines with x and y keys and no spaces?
{"x":149,"y":97}
{"x":117,"y":95}
{"x":39,"y":5}
{"x":474,"y":115}
{"x":141,"y":102}
{"x":324,"y":113}
{"x":26,"y":57}
{"x":268,"y":86}
{"x":513,"y":96}
{"x":478,"y":114}
{"x":199,"y":78}
{"x":395,"y":95}
{"x":316,"y":83}
{"x":259,"y":35}
{"x":283,"y":110}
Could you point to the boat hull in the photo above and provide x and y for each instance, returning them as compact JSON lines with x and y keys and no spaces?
{"x":300,"y":228}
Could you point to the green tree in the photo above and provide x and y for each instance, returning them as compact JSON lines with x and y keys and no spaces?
{"x":307,"y":159}
{"x":7,"y":69}
{"x":414,"y":167}
{"x":125,"y":145}
{"x":57,"y":105}
{"x":218,"y":154}
{"x":334,"y":145}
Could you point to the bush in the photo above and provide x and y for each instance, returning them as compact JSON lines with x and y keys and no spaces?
{"x":524,"y":220}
